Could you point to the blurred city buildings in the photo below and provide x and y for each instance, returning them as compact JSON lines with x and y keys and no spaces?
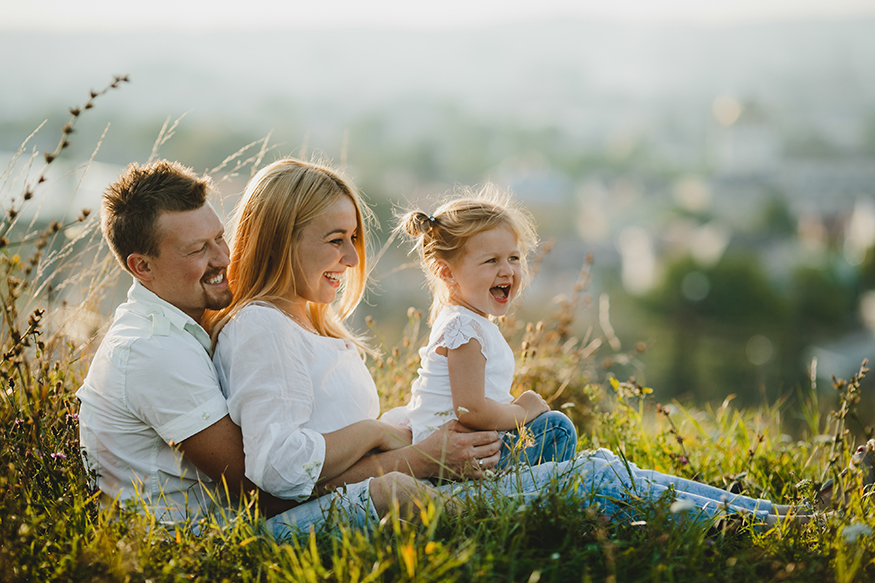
{"x":686,"y":159}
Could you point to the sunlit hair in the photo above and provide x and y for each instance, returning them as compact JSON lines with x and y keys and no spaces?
{"x":131,"y":205}
{"x":443,"y":235}
{"x":279,"y":203}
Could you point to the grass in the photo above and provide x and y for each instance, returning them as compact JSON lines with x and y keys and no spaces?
{"x":52,"y":530}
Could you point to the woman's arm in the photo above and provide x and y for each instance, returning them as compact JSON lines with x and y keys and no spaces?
{"x":452,"y":450}
{"x":345,"y":447}
{"x":467,"y":367}
{"x":217,"y":451}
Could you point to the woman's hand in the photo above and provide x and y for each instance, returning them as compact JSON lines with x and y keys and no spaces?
{"x":533,"y":403}
{"x":393,"y":436}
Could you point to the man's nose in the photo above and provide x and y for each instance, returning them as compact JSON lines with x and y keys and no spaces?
{"x":221,"y":254}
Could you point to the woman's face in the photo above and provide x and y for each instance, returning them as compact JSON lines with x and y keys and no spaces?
{"x":326,"y":250}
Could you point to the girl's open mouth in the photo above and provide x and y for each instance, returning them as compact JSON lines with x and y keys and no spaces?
{"x":500,"y":292}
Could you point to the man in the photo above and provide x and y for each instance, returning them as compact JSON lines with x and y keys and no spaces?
{"x":154,"y":425}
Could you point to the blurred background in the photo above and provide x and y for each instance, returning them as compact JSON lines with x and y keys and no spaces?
{"x":717,"y":160}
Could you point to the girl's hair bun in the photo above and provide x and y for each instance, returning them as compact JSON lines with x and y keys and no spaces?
{"x":417,"y":223}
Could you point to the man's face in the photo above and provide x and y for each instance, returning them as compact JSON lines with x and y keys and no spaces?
{"x":189,"y":270}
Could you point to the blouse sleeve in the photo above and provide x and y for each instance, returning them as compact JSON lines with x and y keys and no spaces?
{"x":270,"y":395}
{"x":458,"y":331}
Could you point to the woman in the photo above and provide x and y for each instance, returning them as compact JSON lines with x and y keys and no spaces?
{"x":291,"y":370}
{"x":307,"y":407}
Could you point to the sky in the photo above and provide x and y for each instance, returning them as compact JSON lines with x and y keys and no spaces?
{"x":212,"y":15}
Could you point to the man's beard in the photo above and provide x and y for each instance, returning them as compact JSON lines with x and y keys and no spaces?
{"x":220,"y":300}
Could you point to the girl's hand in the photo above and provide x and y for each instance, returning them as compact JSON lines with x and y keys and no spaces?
{"x":533,"y":403}
{"x":393,"y":436}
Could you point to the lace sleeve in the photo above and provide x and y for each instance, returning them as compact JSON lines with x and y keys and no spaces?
{"x":459,"y":331}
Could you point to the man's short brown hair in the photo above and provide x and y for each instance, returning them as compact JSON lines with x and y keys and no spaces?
{"x":131,"y":204}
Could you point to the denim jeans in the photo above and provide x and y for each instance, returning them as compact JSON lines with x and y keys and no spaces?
{"x":550,"y":437}
{"x":612,"y":483}
{"x":352,"y":504}
{"x":599,"y":478}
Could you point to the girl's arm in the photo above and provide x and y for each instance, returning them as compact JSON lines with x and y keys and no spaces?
{"x":467,"y":367}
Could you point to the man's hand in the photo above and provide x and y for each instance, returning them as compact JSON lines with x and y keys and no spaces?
{"x":456,"y":451}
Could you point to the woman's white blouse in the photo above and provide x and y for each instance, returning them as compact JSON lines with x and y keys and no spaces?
{"x":286,"y":387}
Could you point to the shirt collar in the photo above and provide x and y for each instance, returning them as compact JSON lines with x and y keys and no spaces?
{"x":154,"y":305}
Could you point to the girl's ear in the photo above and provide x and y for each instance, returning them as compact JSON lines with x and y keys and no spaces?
{"x":445,"y":272}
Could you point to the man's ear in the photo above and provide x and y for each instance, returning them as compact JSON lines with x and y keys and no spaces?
{"x":140,"y":266}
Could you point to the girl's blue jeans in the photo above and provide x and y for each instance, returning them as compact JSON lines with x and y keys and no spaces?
{"x":550,"y":437}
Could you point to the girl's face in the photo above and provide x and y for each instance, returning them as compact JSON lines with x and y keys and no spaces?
{"x":325,"y":252}
{"x":486,"y":277}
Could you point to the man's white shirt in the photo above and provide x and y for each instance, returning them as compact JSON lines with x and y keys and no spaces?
{"x":150,"y":386}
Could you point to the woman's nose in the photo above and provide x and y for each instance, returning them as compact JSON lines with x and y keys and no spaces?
{"x":351,"y":256}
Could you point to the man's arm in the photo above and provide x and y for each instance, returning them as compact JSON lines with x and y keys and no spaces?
{"x":217,"y":451}
{"x":453,"y":451}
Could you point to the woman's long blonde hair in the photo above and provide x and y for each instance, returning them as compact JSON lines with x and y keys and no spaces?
{"x":279,"y":202}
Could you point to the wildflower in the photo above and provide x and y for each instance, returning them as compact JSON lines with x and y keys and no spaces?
{"x":679,"y":506}
{"x":851,"y":532}
{"x":310,"y":466}
{"x":58,"y":455}
{"x":684,"y":460}
{"x":555,"y":556}
{"x":461,"y":410}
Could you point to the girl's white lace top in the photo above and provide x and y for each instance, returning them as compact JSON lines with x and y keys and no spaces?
{"x":431,"y":401}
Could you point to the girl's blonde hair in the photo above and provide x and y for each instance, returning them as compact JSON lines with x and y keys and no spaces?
{"x":279,"y":202}
{"x":442,"y":235}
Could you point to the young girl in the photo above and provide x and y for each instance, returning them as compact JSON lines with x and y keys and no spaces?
{"x":473,"y":252}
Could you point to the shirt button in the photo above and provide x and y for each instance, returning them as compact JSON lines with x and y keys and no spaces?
{"x":206,"y":416}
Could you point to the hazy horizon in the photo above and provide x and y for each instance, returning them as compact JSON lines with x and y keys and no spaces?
{"x":199,"y":16}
